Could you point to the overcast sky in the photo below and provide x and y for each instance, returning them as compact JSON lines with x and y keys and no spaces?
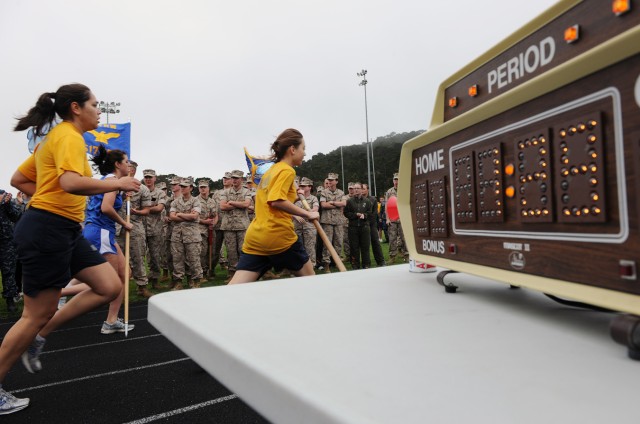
{"x":201,"y":79}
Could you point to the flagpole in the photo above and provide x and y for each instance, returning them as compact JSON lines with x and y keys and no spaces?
{"x":126,"y":267}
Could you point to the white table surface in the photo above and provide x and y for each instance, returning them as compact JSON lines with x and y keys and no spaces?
{"x":389,"y":346}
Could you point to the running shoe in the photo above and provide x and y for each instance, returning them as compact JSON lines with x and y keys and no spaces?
{"x":116,"y":327}
{"x":31,"y":358}
{"x":10,"y":404}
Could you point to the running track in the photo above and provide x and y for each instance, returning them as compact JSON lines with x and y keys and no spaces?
{"x":89,"y":377}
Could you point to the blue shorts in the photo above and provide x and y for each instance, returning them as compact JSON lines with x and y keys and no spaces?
{"x":52,"y":250}
{"x":292,"y":259}
{"x":103,"y":240}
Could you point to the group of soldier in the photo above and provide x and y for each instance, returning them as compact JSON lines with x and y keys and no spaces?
{"x":184,"y":234}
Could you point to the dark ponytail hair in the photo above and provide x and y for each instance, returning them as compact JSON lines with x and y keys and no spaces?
{"x":42,"y":115}
{"x":289,"y":137}
{"x":105,"y":161}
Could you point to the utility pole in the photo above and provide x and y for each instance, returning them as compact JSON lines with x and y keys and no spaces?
{"x":363,"y":83}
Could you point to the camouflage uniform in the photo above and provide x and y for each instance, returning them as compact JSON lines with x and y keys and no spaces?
{"x":218,"y":234}
{"x":208,"y":210}
{"x":359,"y":230}
{"x":9,"y":214}
{"x":155,"y":241}
{"x":396,"y":236}
{"x":137,"y":237}
{"x":234,"y":224}
{"x":332,"y":221}
{"x":167,"y":228}
{"x":306,"y":231}
{"x":185,"y":241}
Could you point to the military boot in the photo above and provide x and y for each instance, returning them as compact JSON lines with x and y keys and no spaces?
{"x":154,"y":283}
{"x":327,"y":267}
{"x":144,"y":292}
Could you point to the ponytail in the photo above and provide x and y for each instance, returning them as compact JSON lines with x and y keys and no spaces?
{"x":289,"y":137}
{"x":42,"y":115}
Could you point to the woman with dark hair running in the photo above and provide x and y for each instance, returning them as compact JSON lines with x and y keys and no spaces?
{"x":49,"y":236}
{"x":270,"y":240}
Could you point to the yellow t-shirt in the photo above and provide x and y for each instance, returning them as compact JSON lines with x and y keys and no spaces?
{"x":63,"y":149}
{"x":271,"y":232}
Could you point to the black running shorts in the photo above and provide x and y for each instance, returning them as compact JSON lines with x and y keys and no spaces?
{"x":52,"y":250}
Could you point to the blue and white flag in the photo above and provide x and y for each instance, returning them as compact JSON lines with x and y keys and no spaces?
{"x":111,"y":136}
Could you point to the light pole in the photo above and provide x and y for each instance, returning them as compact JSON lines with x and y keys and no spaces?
{"x":363,"y":74}
{"x":109,"y":108}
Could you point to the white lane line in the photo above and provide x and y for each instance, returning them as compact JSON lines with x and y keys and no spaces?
{"x":105,"y":374}
{"x":101,"y":343}
{"x":182,"y":410}
{"x":66,"y":349}
{"x":91,"y":326}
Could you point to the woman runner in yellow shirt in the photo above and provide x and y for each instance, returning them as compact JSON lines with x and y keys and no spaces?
{"x":270,"y":240}
{"x":49,"y":236}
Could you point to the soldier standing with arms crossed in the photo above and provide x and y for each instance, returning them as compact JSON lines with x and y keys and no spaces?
{"x":185,"y":237}
{"x":168,"y":225}
{"x":235,"y":201}
{"x":153,"y":226}
{"x":218,"y":238}
{"x":208,"y":218}
{"x":332,"y":203}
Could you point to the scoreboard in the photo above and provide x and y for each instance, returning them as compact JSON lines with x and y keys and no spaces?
{"x":529,"y":171}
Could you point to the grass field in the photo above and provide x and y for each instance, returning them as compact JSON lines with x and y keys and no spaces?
{"x":217,"y":280}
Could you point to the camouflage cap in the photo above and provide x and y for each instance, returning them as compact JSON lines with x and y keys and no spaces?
{"x":236,"y":173}
{"x":350,"y":185}
{"x":395,"y":176}
{"x":227,"y":175}
{"x":203,"y":182}
{"x":161,"y":185}
{"x":186,"y":182}
{"x":133,"y":163}
{"x":297,"y":180}
{"x":306,"y":182}
{"x":149,"y":173}
{"x":175,"y":180}
{"x":332,"y":176}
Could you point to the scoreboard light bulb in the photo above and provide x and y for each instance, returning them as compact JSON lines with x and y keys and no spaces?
{"x":593,"y":168}
{"x":573,"y":130}
{"x":473,"y":90}
{"x":593,"y":154}
{"x":585,"y":210}
{"x":595,"y":196}
{"x":572,"y":34}
{"x":592,"y":139}
{"x":509,"y":169}
{"x":453,"y":102}
{"x":542,"y":140}
{"x":581,"y":127}
{"x":593,"y":182}
{"x":566,"y":212}
{"x":620,"y":7}
{"x":592,"y":124}
{"x":545,"y":212}
{"x":510,"y":192}
{"x":595,"y":210}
